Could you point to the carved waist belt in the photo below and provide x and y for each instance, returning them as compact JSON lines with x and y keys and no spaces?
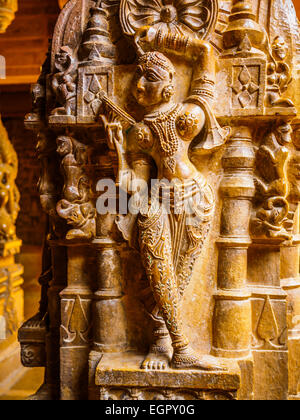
{"x":182,"y":195}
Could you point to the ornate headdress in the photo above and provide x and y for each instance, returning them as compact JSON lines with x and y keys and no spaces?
{"x":157,"y":59}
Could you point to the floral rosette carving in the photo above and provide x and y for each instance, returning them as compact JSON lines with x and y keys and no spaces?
{"x":181,"y":17}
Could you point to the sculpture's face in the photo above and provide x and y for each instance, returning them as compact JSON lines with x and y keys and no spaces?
{"x":284,"y":134}
{"x":150,"y":83}
{"x":61,"y":58}
{"x":296,"y":139}
{"x":63,"y":146}
{"x":279,"y":48}
{"x":42,"y":142}
{"x":5,"y":185}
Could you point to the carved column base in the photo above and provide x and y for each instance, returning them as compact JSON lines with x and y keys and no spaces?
{"x":109,"y":320}
{"x":75,"y":328}
{"x":294,"y":365}
{"x":11,"y":311}
{"x":290,"y":283}
{"x":126,"y":382}
{"x":32,"y":339}
{"x":269,"y":310}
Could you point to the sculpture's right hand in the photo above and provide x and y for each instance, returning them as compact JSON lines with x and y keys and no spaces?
{"x":146,"y":35}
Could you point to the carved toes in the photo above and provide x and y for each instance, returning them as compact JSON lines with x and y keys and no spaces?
{"x":152,"y":362}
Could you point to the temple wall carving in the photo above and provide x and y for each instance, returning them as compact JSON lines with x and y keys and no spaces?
{"x":11,"y":293}
{"x":168,"y":141}
{"x":31,"y":221}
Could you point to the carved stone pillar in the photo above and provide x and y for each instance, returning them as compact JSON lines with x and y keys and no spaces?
{"x":269,"y":322}
{"x":232,"y":315}
{"x":153,"y":104}
{"x":109,"y":317}
{"x":108,"y":305}
{"x":11,"y":311}
{"x":56,"y":285}
{"x":290,"y":277}
{"x":271,"y":228}
{"x":11,"y":293}
{"x":76,"y":325}
{"x":290,"y":283}
{"x":108,"y":311}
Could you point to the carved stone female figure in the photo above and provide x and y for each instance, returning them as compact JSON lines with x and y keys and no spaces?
{"x":170,"y":240}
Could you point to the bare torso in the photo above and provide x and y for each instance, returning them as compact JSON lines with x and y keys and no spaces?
{"x":189,"y":120}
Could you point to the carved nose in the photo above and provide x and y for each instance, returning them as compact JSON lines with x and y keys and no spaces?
{"x":140,"y":88}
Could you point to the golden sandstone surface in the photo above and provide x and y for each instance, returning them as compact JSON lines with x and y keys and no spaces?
{"x":168,"y":141}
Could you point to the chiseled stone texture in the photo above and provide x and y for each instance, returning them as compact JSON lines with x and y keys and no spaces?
{"x":201,"y":300}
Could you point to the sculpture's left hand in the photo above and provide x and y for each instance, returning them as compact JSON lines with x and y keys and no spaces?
{"x":114,"y":132}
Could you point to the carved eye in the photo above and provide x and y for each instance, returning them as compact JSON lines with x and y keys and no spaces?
{"x":151,"y":77}
{"x":139,"y":71}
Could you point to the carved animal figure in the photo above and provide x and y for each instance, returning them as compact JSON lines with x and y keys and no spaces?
{"x":75,"y":206}
{"x":272,"y":184}
{"x":279,"y":76}
{"x":63,"y":84}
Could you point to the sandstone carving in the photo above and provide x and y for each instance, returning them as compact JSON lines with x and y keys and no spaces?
{"x":273,"y":218}
{"x":11,"y":293}
{"x":9,"y":205}
{"x":169,"y":144}
{"x":63,"y":85}
{"x":279,"y":75}
{"x":75,"y":206}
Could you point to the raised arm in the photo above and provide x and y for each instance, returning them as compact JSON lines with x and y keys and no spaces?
{"x":200,"y":52}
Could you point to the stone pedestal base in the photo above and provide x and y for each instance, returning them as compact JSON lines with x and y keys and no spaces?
{"x":294,"y":367}
{"x":119,"y":378}
{"x":11,"y":313}
{"x":294,"y":397}
{"x":10,"y":367}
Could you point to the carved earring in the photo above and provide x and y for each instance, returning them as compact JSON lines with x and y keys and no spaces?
{"x":168,"y":92}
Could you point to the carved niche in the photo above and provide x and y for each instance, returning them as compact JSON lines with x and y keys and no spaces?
{"x":184,"y":111}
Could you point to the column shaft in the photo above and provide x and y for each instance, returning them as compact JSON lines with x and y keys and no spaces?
{"x":232,"y":315}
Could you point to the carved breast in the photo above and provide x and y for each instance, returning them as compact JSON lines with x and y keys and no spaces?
{"x":141,"y":136}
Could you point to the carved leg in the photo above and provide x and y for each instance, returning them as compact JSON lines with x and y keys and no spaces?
{"x":160,"y":353}
{"x":157,"y":257}
{"x":185,"y":272}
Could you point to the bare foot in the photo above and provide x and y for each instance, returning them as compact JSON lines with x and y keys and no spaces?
{"x":190,"y":360}
{"x":158,"y":358}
